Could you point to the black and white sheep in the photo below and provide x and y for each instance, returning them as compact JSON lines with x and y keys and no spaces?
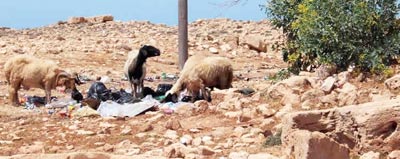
{"x":201,"y":72}
{"x":135,"y":67}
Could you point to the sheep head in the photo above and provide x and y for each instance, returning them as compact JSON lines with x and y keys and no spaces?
{"x":170,"y":97}
{"x":149,"y":51}
{"x":64,"y":79}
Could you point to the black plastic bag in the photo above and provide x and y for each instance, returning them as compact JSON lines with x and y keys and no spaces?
{"x":122,"y":96}
{"x":76,"y":95}
{"x":163,"y":88}
{"x":99,"y":91}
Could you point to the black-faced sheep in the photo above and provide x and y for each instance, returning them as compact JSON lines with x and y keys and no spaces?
{"x":135,"y":68}
{"x":31,"y":72}
{"x":201,"y":72}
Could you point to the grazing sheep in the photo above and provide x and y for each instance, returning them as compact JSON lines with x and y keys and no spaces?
{"x":199,"y":73}
{"x":135,"y":68}
{"x":31,"y":72}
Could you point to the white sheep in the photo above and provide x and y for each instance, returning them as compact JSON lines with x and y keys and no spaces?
{"x":200,"y":72}
{"x":31,"y":72}
{"x":135,"y":67}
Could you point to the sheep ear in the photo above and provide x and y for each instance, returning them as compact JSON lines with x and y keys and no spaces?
{"x":61,"y":77}
{"x":144,"y":51}
{"x":75,"y":76}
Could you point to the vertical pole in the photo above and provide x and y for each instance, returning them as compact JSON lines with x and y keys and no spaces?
{"x":182,"y":32}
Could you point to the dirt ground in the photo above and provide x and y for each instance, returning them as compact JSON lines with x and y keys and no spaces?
{"x":96,"y":50}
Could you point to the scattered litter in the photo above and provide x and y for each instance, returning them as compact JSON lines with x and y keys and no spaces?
{"x":124,"y":78}
{"x":60,"y":103}
{"x":122,"y":96}
{"x":165,"y":76}
{"x":85,"y":78}
{"x":163,"y":88}
{"x":76,"y":95}
{"x":99,"y":91}
{"x":150,"y":79}
{"x":91,"y":102}
{"x":170,"y":107}
{"x":111,"y":108}
{"x":85,"y":112}
{"x":105,"y":79}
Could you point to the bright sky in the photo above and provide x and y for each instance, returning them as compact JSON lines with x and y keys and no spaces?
{"x":36,"y":13}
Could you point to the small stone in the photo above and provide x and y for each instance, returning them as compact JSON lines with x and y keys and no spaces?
{"x":171,"y":134}
{"x":146,"y":127}
{"x":394,"y":155}
{"x":141,"y":135}
{"x":126,"y":131}
{"x":235,"y":114}
{"x":207,"y":140}
{"x":84,"y":132}
{"x":194,"y":130}
{"x":186,"y":139}
{"x":173,"y":124}
{"x":370,"y":155}
{"x":238,"y":155}
{"x":206,"y":151}
{"x":262,"y":156}
{"x":108,"y":148}
{"x":239,"y":131}
{"x":70,"y":147}
{"x":265,"y":111}
{"x":197,"y":141}
{"x":226,"y":47}
{"x":245,"y":116}
{"x":5,"y":142}
{"x":99,"y":143}
{"x":213,"y":50}
{"x":328,"y":84}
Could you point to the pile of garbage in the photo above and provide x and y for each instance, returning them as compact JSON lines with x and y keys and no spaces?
{"x":104,"y":102}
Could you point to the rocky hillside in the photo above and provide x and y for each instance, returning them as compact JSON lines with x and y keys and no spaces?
{"x":236,"y":124}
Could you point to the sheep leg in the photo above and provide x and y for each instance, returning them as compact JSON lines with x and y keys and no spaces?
{"x":140,"y":90}
{"x":47,"y":91}
{"x":134,"y":91}
{"x":13,"y":92}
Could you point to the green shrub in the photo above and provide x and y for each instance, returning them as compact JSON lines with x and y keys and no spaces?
{"x":279,"y":76}
{"x":339,"y":32}
{"x":274,"y":140}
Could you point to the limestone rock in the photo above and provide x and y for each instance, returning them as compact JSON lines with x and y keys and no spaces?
{"x":100,"y":19}
{"x":370,"y":155}
{"x":238,"y":155}
{"x":262,"y":156}
{"x":77,"y":20}
{"x":393,"y":83}
{"x":255,"y":42}
{"x":365,"y":127}
{"x":394,"y":155}
{"x":313,"y":145}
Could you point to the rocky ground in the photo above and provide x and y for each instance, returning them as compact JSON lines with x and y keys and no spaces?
{"x":233,"y":125}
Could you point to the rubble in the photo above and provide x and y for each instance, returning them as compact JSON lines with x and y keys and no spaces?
{"x":362,"y":128}
{"x":236,"y":123}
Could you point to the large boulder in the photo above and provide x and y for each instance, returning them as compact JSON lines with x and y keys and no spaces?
{"x":255,"y":42}
{"x":100,"y":19}
{"x":288,"y":91}
{"x":77,"y":20}
{"x":362,"y":128}
{"x":303,"y":144}
{"x":393,"y":84}
{"x":348,"y":94}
